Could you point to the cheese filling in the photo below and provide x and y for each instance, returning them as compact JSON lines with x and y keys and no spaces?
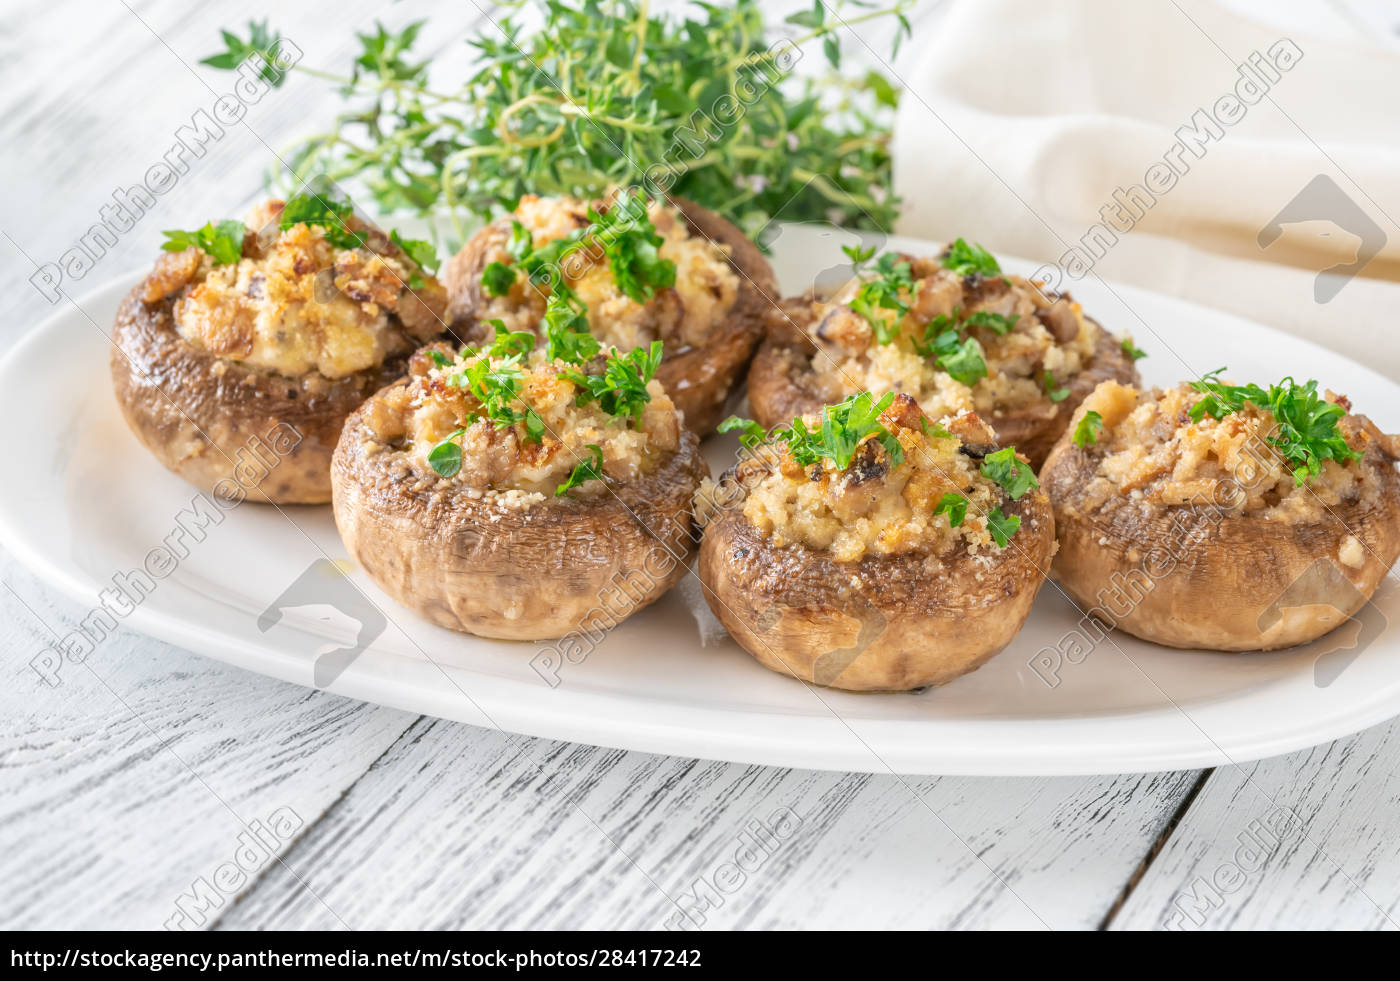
{"x":874,"y":506}
{"x":1149,"y":448}
{"x":415,"y":418}
{"x":1050,"y":342}
{"x":683,"y":316}
{"x":295,"y":304}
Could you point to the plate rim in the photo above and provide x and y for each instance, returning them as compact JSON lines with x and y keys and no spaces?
{"x":779,"y":745}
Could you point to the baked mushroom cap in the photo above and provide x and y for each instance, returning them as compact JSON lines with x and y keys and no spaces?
{"x":989,"y":342}
{"x":513,"y":544}
{"x":238,"y":374}
{"x":854,"y":578}
{"x":710,"y":322}
{"x":1196,"y":533}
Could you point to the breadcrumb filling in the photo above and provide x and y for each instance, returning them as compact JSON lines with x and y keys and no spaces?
{"x":874,"y":507}
{"x":296,"y":304}
{"x":414,"y":418}
{"x":683,"y":316}
{"x":1149,"y":448}
{"x":1048,"y":336}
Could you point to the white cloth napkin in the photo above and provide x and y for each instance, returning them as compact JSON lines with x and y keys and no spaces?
{"x":1023,"y":117}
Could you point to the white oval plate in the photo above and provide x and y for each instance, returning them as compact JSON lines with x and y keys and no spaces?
{"x":87,"y":504}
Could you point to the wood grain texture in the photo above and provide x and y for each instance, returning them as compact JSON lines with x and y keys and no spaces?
{"x":522,"y":835}
{"x":136,"y":774}
{"x":1304,"y":841}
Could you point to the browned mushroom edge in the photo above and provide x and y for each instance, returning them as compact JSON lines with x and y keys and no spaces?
{"x":919,"y":615}
{"x":242,"y":429}
{"x":1230,"y":555}
{"x":480,"y":551}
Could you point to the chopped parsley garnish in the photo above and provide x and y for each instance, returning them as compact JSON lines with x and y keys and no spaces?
{"x":222,"y":242}
{"x":843,"y":427}
{"x":566,"y":327}
{"x":521,"y":242}
{"x":751,"y":433}
{"x":1086,"y":432}
{"x":962,"y":357}
{"x":446,"y":457}
{"x":892,"y":275}
{"x":1131,"y":351}
{"x":994,"y":322}
{"x":628,"y":241}
{"x":621,"y":390}
{"x":959,"y":356}
{"x":497,"y":278}
{"x":585,"y":471}
{"x":327,"y":210}
{"x":1307,"y":430}
{"x":1005,"y":469}
{"x":1002,"y":526}
{"x":507,"y":342}
{"x":422,"y":253}
{"x":497,"y":388}
{"x":954,"y":506}
{"x":632,"y":245}
{"x":440,"y":360}
{"x":1052,"y":389}
{"x":968,"y":259}
{"x":933,"y":430}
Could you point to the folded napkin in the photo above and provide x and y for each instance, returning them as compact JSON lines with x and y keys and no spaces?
{"x":1177,"y":146}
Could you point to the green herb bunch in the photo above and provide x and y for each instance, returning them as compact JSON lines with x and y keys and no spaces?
{"x":1306,"y":432}
{"x":602,"y":94}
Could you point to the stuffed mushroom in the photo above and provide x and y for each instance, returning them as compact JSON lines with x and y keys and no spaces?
{"x":1223,"y":517}
{"x":874,"y":549}
{"x":238,"y":358}
{"x":624,"y":272}
{"x":511,"y":495}
{"x":954,"y":332}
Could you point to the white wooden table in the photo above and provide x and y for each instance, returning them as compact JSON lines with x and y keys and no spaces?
{"x":132,"y":781}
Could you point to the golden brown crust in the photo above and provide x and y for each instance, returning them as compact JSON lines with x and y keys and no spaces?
{"x":201,"y":415}
{"x":699,"y":380}
{"x":783,"y":386}
{"x":497,"y":568}
{"x":1204,"y":578}
{"x":884,"y":623}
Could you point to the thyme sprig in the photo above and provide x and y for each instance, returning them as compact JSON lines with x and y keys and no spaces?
{"x":601,"y":93}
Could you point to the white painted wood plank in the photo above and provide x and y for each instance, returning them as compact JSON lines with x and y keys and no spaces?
{"x":1305,"y":841}
{"x":136,"y":775}
{"x":92,"y":99}
{"x":456,"y":828}
{"x":105,"y":826}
